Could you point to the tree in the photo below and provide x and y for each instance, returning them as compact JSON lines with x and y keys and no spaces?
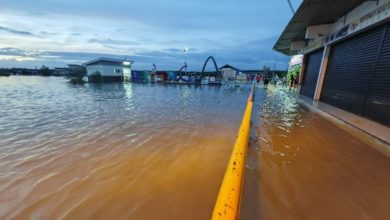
{"x":4,"y":72}
{"x":45,"y":71}
{"x":77,"y":75}
{"x":96,"y":77}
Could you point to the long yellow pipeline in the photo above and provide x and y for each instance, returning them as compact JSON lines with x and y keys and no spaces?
{"x":227,"y":206}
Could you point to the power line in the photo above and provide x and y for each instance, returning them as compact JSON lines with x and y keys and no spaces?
{"x":291,"y":7}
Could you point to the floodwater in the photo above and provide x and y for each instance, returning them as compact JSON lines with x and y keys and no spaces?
{"x":132,"y":151}
{"x":302,"y":166}
{"x":113,"y":151}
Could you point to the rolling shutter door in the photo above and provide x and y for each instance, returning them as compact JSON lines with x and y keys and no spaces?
{"x":310,"y":77}
{"x":349,"y":70}
{"x":378,"y":98}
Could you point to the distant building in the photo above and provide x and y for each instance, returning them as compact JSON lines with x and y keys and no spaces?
{"x":229,"y":73}
{"x":23,"y":71}
{"x":253,"y":72}
{"x":65,"y":71}
{"x":111,"y":70}
{"x":75,"y":66}
{"x":61,"y":71}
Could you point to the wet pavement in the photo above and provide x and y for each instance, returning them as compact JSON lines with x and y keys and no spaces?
{"x":302,"y":166}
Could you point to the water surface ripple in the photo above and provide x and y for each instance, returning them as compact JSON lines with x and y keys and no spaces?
{"x":119,"y":151}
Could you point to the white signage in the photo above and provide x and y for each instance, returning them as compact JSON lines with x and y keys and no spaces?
{"x":379,"y":13}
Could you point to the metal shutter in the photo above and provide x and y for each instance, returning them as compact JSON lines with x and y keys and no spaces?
{"x":349,"y":70}
{"x":310,"y":77}
{"x":377,"y":106}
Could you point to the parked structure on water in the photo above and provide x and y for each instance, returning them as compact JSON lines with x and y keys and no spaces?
{"x":182,"y":76}
{"x":346,"y":47}
{"x":229,"y":73}
{"x":110,"y":70}
{"x":142,"y":76}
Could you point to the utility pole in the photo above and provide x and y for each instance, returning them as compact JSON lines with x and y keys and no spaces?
{"x":274,"y":71}
{"x":291,"y":7}
{"x":185,"y":61}
{"x":185,"y":56}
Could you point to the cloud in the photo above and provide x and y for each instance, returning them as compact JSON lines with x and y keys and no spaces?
{"x":240,"y":33}
{"x":13,"y":31}
{"x":9,"y":51}
{"x":108,"y":41}
{"x":165,"y":59}
{"x":48,"y":33}
{"x":177,"y":50}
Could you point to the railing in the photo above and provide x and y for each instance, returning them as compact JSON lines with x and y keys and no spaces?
{"x":227,"y":206}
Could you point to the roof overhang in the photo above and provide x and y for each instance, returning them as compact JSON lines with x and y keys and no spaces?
{"x":227,"y":66}
{"x":118,"y":61}
{"x":312,"y":12}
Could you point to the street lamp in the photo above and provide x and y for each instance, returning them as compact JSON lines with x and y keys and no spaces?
{"x":185,"y":56}
{"x":185,"y":61}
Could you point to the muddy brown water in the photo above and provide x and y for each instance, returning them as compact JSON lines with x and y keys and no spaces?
{"x":131,"y":151}
{"x":113,"y":151}
{"x":302,"y":166}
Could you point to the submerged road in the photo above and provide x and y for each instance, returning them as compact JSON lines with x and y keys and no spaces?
{"x":137,"y":151}
{"x":302,"y":166}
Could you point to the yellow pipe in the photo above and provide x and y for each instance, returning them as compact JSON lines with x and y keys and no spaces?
{"x":227,"y":206}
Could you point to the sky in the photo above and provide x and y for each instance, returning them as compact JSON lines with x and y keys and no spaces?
{"x":59,"y":32}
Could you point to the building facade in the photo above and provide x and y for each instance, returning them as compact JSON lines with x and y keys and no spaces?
{"x":110,"y":70}
{"x":229,"y":73}
{"x":346,"y":48}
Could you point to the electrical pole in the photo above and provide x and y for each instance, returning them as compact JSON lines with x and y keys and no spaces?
{"x":274,"y":71}
{"x":185,"y":61}
{"x":291,"y":7}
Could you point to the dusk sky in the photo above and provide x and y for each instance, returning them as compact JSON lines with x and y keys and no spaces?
{"x":59,"y":32}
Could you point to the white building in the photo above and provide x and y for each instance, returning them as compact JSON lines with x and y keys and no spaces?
{"x":229,"y":73}
{"x":111,"y":70}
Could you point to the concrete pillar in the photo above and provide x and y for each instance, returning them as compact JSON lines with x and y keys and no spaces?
{"x":303,"y":71}
{"x":321,"y":75}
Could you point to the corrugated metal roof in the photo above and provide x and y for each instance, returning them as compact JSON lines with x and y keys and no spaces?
{"x":113,"y":60}
{"x":312,"y":12}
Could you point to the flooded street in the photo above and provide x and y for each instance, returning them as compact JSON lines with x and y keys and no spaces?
{"x":305,"y":167}
{"x":113,"y":151}
{"x":133,"y":151}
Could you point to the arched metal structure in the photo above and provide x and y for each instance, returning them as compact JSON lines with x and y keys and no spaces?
{"x":218,"y":76}
{"x":180,"y":72}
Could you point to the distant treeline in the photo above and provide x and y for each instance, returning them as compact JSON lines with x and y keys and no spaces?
{"x":43,"y":71}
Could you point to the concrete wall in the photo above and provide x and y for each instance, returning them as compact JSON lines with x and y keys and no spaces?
{"x":229,"y":74}
{"x":106,"y":70}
